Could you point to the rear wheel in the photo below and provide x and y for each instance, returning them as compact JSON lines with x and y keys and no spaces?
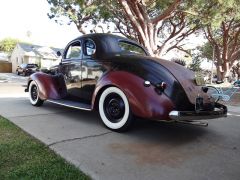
{"x":114,"y":109}
{"x":34,"y":94}
{"x":214,"y":93}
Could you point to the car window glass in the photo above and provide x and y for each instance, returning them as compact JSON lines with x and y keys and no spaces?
{"x":31,"y":65}
{"x":23,"y":65}
{"x":90,"y":47}
{"x":127,"y":47}
{"x":74,"y":51}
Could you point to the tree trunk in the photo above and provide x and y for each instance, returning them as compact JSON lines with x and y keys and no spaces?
{"x":219,"y":73}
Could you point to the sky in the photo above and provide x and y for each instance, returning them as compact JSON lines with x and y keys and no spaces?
{"x":17,"y":17}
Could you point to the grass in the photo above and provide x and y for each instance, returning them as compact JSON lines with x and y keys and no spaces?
{"x":23,"y":157}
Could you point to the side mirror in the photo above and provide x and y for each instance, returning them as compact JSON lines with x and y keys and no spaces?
{"x":59,"y":53}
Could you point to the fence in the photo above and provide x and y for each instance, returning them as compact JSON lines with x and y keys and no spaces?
{"x":5,"y":67}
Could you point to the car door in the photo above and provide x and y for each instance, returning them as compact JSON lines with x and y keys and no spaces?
{"x":71,"y":69}
{"x":92,"y":70}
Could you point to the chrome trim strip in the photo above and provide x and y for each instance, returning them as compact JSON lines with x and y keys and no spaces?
{"x":75,"y":107}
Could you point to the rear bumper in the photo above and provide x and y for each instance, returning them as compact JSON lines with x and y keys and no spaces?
{"x":219,"y":111}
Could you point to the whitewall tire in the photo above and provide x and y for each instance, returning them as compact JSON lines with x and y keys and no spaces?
{"x":114,"y":109}
{"x":34,"y":94}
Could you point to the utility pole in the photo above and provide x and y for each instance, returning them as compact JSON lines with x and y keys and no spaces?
{"x":213,"y":58}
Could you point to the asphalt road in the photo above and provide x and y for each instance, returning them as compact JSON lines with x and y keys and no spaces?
{"x":151,"y":150}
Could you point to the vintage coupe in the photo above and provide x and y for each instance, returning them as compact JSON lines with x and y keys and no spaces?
{"x":117,"y":77}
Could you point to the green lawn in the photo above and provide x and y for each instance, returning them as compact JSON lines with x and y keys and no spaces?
{"x":23,"y":157}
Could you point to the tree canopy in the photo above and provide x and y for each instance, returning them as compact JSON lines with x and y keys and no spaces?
{"x":8,"y":44}
{"x":159,"y":25}
{"x":221,"y":25}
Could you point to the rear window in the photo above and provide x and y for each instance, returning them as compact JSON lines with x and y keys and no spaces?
{"x":127,"y":47}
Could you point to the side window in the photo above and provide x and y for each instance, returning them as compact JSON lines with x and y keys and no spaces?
{"x":74,"y":51}
{"x":127,"y":47}
{"x":90,"y":47}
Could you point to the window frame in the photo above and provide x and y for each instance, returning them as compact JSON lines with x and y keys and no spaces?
{"x":133,"y":44}
{"x":65,"y":59}
{"x":85,"y":56}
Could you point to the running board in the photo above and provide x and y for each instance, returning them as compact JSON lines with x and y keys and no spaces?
{"x":72,"y":104}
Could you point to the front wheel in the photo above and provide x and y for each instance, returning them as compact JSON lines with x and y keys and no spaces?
{"x":114,"y":109}
{"x":34,"y":94}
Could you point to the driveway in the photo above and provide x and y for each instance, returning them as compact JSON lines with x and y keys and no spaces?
{"x":12,"y":85}
{"x":151,"y":150}
{"x":12,"y":78}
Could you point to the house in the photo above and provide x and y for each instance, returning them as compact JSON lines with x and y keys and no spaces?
{"x":45,"y":57}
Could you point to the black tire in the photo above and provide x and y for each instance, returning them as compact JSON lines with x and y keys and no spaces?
{"x":18,"y":73}
{"x":114,"y":110}
{"x":34,"y":94}
{"x":213,"y":92}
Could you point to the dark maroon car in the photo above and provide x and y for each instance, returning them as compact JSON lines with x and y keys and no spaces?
{"x":117,"y":77}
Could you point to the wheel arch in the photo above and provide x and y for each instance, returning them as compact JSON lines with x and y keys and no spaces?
{"x":144,"y":101}
{"x":98,"y":95}
{"x":50,"y":87}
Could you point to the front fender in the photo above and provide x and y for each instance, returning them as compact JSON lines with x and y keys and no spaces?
{"x":144,"y":101}
{"x":50,"y":86}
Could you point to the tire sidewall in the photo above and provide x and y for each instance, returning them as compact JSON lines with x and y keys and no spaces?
{"x":127,"y":114}
{"x":33,"y":102}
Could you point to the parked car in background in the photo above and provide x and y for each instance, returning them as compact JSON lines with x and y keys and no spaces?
{"x":27,"y":69}
{"x":117,"y":77}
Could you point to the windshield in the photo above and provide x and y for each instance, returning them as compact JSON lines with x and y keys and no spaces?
{"x":31,"y":65}
{"x":127,"y":47}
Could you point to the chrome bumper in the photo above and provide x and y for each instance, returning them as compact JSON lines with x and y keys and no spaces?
{"x":192,"y":117}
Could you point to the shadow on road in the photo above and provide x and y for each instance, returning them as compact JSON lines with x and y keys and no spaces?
{"x":146,"y":130}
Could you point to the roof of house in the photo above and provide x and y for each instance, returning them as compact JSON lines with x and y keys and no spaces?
{"x":40,"y":51}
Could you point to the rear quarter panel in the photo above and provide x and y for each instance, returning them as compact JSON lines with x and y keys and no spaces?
{"x":144,"y":101}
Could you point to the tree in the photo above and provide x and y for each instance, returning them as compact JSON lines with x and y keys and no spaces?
{"x":83,"y":13}
{"x":8,"y":44}
{"x":221,"y":25}
{"x":159,"y":25}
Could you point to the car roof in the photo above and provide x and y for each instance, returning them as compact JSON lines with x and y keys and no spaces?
{"x":103,"y":36}
{"x":107,"y":43}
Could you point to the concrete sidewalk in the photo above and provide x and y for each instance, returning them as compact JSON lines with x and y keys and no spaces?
{"x":234,"y":109}
{"x":151,"y":150}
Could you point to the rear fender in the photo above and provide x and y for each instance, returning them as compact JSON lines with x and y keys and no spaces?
{"x":144,"y":101}
{"x":50,"y":86}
